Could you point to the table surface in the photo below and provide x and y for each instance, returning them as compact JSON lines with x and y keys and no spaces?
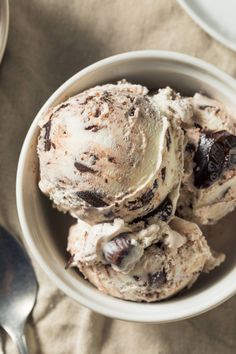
{"x":49,"y":41}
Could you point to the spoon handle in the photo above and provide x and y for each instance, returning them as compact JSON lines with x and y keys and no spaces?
{"x":21,"y":344}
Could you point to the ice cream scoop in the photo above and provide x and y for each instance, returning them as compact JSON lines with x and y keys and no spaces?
{"x":109,"y":152}
{"x":141,"y":263}
{"x":208,"y":189}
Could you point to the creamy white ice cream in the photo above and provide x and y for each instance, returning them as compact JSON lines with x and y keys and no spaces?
{"x":114,"y":157}
{"x":141,"y":263}
{"x":208,"y":190}
{"x":109,"y":152}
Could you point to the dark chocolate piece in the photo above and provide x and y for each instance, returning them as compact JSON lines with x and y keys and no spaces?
{"x":47,"y":143}
{"x":111,"y":159}
{"x":205,"y":106}
{"x":97,"y":112}
{"x":168,"y":139}
{"x":140,"y":202}
{"x":190,"y":147}
{"x":163,"y":173}
{"x":92,"y":198}
{"x":163,"y":212}
{"x":94,"y":128}
{"x":83,"y":168}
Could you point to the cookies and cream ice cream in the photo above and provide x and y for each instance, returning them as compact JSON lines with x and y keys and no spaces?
{"x":141,"y":263}
{"x":108,"y":152}
{"x":208,"y":190}
{"x":120,"y":159}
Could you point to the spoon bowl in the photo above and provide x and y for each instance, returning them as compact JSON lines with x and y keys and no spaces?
{"x":18,"y":286}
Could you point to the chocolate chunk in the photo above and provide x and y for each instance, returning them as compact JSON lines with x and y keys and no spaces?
{"x":190,"y":147}
{"x":163,"y":173}
{"x":144,"y":199}
{"x":168,"y":139}
{"x":115,"y":250}
{"x":205,"y":107}
{"x":92,"y":198}
{"x":213,"y":157}
{"x":94,"y":128}
{"x":47,"y":143}
{"x":136,"y":277}
{"x":155,"y":184}
{"x":111,"y":159}
{"x":157,"y":279}
{"x":83,"y":168}
{"x":140,"y":202}
{"x":97,"y":112}
{"x":163,"y":212}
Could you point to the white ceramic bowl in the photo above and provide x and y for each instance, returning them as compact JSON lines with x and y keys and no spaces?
{"x":45,"y":229}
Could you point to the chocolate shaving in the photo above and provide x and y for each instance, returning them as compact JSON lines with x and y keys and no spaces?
{"x":63,"y":105}
{"x":97,"y":112}
{"x":94,"y":128}
{"x":83,"y":168}
{"x":155,"y":184}
{"x":92,"y":198}
{"x":47,"y":143}
{"x":205,"y":106}
{"x":168,"y":139}
{"x":163,"y":173}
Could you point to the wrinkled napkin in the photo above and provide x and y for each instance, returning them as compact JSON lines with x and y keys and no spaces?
{"x":49,"y":41}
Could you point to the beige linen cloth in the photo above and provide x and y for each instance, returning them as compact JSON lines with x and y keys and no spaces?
{"x":49,"y":41}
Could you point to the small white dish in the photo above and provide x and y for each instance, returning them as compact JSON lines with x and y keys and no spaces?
{"x":216,"y":17}
{"x":4,"y":26}
{"x":45,"y":229}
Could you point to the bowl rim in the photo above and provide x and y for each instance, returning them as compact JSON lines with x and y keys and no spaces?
{"x":226,"y":286}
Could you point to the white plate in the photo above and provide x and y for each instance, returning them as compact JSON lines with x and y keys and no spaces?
{"x":217,"y":17}
{"x":4,"y":25}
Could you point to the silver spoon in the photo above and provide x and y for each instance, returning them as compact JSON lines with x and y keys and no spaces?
{"x":18,"y":289}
